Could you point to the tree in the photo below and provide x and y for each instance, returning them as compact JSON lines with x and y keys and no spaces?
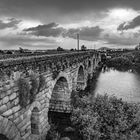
{"x":83,"y":48}
{"x":72,"y":49}
{"x":1,"y":52}
{"x":9,"y":52}
{"x":60,"y":49}
{"x":21,"y":50}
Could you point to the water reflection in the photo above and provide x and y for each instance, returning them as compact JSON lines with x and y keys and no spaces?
{"x":125,"y":85}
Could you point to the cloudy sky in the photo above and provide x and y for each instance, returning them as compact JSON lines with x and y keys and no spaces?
{"x":47,"y":24}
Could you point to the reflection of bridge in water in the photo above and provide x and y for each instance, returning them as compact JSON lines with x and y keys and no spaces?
{"x":31,"y":122}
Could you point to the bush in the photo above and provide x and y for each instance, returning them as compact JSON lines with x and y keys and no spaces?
{"x":24,"y":92}
{"x":106,"y":117}
{"x":55,"y":74}
{"x":119,"y":63}
{"x":53,"y":133}
{"x":34,"y":87}
{"x":41,"y":82}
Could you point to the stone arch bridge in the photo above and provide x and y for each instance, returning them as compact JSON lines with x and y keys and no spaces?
{"x":63,"y":73}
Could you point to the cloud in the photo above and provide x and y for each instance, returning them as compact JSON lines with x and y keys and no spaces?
{"x":26,"y":41}
{"x":86,"y":33}
{"x":59,"y":10}
{"x":46,"y":30}
{"x":67,"y":5}
{"x":130,"y":25}
{"x":121,"y":40}
{"x":11,"y":23}
{"x":53,"y":29}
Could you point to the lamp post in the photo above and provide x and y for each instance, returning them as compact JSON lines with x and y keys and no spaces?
{"x":78,"y":41}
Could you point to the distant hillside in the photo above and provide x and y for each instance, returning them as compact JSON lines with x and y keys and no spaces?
{"x":104,"y":48}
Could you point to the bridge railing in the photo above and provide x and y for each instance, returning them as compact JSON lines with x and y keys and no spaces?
{"x":22,"y":55}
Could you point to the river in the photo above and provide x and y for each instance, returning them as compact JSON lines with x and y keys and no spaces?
{"x":125,"y":85}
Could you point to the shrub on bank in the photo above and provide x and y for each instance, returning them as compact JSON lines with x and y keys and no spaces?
{"x":125,"y":62}
{"x":104,"y":117}
{"x":53,"y":134}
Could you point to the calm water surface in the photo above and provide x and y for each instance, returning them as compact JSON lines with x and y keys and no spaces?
{"x":124,"y":85}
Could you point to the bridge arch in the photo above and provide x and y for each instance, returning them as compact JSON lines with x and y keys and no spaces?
{"x":34,"y":113}
{"x":35,"y":121}
{"x":35,"y":104}
{"x":89,"y":64}
{"x":61,"y":89}
{"x":80,"y":78}
{"x":8,"y":130}
{"x":60,"y":103}
{"x":3,"y":137}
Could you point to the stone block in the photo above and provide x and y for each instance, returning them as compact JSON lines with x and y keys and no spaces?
{"x":0,"y":102}
{"x":2,"y":95}
{"x":17,"y":120}
{"x":3,"y":108}
{"x":16,"y":115}
{"x":4,"y":123}
{"x":7,"y":113}
{"x":16,"y":108}
{"x":8,"y":92}
{"x":12,"y":96}
{"x":9,"y":105}
{"x":7,"y":128}
{"x":15,"y":101}
{"x":5,"y":100}
{"x":22,"y":123}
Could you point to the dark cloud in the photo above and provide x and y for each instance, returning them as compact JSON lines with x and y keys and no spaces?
{"x":53,"y":29}
{"x":130,"y":25}
{"x":68,"y":5}
{"x":12,"y":23}
{"x":121,"y":26}
{"x":47,"y":30}
{"x":52,"y":10}
{"x":86,"y":33}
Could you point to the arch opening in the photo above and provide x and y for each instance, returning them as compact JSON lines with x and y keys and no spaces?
{"x":61,"y":96}
{"x":80,"y":78}
{"x":35,"y":121}
{"x":60,"y":105}
{"x":3,"y":137}
{"x":61,"y":91}
{"x":89,"y":64}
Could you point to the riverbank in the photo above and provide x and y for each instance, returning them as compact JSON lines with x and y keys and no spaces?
{"x":105,"y":117}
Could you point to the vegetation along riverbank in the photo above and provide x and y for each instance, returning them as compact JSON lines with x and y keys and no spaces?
{"x":125,"y":62}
